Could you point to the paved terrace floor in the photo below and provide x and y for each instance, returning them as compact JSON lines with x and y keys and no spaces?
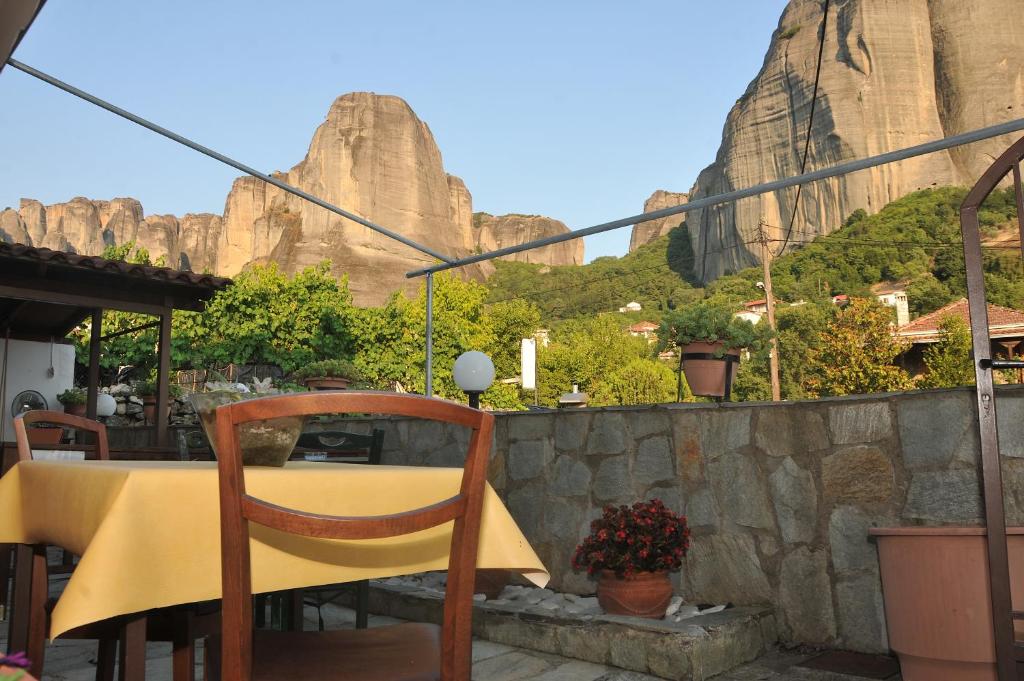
{"x":75,"y":661}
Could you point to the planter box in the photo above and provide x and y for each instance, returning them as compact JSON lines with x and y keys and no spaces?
{"x":935,"y":584}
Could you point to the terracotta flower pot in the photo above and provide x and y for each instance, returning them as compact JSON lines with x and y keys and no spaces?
{"x":706,"y":376}
{"x":75,"y":409}
{"x":935,"y":586}
{"x":39,"y":437}
{"x":326,"y":383}
{"x":15,"y":673}
{"x":645,"y":594}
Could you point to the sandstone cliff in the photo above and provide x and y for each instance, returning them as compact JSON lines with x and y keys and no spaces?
{"x":895,"y":73}
{"x":492,"y":232}
{"x":647,"y":232}
{"x":372,"y":156}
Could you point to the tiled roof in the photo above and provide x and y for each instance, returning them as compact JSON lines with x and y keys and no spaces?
{"x":163,"y":274}
{"x":643,"y":326}
{"x":1002,"y":322}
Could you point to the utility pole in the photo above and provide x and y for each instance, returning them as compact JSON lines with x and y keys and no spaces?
{"x":766,"y":256}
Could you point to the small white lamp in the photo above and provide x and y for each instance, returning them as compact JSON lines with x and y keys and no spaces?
{"x":105,"y":405}
{"x":474,"y":373}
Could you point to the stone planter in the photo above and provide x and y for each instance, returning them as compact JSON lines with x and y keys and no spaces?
{"x":706,"y":374}
{"x":326,"y":383}
{"x":936,"y":589}
{"x":645,"y":594}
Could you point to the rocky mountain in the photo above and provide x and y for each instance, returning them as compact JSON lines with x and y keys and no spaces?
{"x":491,"y":232}
{"x":372,"y":156}
{"x":646,"y":232}
{"x":894,"y":73}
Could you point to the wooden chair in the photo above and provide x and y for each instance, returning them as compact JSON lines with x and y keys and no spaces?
{"x":402,"y":652}
{"x":121,"y":637}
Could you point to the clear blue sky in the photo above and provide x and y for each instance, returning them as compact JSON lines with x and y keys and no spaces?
{"x":575,"y":110}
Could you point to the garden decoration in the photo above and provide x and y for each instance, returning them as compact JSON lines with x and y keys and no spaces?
{"x":14,"y":668}
{"x":73,"y":400}
{"x":710,"y":338}
{"x":633,"y":550}
{"x":329,"y":374}
{"x":263,"y":443}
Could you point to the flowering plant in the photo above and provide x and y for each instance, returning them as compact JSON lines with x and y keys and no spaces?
{"x":645,"y":538}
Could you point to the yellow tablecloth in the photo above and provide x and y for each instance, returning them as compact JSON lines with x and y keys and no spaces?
{"x":148,"y":533}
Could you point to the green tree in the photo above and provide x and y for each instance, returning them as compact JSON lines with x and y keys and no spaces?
{"x":511,"y":321}
{"x":949,"y":361}
{"x":641,"y":381}
{"x":857,"y":351}
{"x":800,"y":331}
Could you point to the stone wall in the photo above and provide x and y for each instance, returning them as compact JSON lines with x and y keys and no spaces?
{"x":779,"y":497}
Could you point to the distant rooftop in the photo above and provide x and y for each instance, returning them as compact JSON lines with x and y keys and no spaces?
{"x":1003,"y":322}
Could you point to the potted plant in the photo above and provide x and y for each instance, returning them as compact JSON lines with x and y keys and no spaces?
{"x":328,"y":374}
{"x":147,"y":389}
{"x":73,"y":400}
{"x":633,"y":550}
{"x":14,"y":667}
{"x":710,"y":338}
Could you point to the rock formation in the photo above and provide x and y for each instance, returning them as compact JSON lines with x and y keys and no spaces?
{"x":492,"y":232}
{"x":371,"y":156}
{"x":895,"y":73}
{"x":647,"y":232}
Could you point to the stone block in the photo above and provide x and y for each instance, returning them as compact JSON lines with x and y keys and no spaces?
{"x":527,"y":459}
{"x":848,"y":537}
{"x":646,"y":422}
{"x":686,"y":441}
{"x":569,"y":477}
{"x":607,"y":434}
{"x":862,"y":614}
{"x":785,"y":431}
{"x":526,"y":505}
{"x":562,"y":520}
{"x":654,"y":461}
{"x":932,"y":428}
{"x":852,"y":423}
{"x":671,"y":496}
{"x":571,"y":431}
{"x":612,"y":480}
{"x":1013,"y":490}
{"x":739,"y":488}
{"x":1009,"y":415}
{"x":944,"y":496}
{"x":451,"y":455}
{"x":795,"y":501}
{"x":724,"y":568}
{"x":528,"y":426}
{"x":805,"y":597}
{"x":861,"y":473}
{"x":724,"y":430}
{"x":701,"y":509}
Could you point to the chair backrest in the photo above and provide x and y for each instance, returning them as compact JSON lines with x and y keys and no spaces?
{"x":28,"y":418}
{"x":237,"y":509}
{"x":336,"y":445}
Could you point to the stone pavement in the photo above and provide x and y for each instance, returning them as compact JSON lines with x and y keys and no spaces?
{"x":75,"y":661}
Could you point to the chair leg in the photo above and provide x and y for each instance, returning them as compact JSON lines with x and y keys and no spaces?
{"x":106,"y":659}
{"x":18,"y":621}
{"x":6,"y":554}
{"x":211,"y":658}
{"x":362,"y":604}
{"x":183,"y":649}
{"x":261,"y":610}
{"x":40,"y":586}
{"x":132,"y":650}
{"x":294,"y":607}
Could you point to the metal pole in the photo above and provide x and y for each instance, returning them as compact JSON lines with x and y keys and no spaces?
{"x":428,"y":389}
{"x":284,"y":186}
{"x":764,"y":188}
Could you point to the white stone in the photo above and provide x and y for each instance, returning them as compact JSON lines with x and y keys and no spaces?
{"x":673,"y":606}
{"x":686,"y":612}
{"x":712,"y":609}
{"x":479,"y":597}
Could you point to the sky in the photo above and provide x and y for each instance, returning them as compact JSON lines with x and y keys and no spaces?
{"x":573,"y":110}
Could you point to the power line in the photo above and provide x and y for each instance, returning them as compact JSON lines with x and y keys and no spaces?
{"x":810,"y":124}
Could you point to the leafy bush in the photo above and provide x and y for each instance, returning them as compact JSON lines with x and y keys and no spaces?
{"x":706,"y":322}
{"x":645,"y":538}
{"x":72,"y":397}
{"x":329,"y":368}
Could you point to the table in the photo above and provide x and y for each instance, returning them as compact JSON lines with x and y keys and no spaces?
{"x":148,"y":533}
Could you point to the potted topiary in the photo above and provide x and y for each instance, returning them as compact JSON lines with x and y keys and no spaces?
{"x":328,"y":374}
{"x":73,"y":400}
{"x":710,"y":338}
{"x":146,"y":389}
{"x":632,"y":550}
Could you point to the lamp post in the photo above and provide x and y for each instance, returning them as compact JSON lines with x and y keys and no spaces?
{"x":474,"y":373}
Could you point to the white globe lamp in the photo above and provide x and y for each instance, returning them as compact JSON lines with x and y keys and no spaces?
{"x":105,"y":405}
{"x":474,"y":373}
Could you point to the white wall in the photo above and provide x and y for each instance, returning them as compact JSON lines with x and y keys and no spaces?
{"x":27,"y":370}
